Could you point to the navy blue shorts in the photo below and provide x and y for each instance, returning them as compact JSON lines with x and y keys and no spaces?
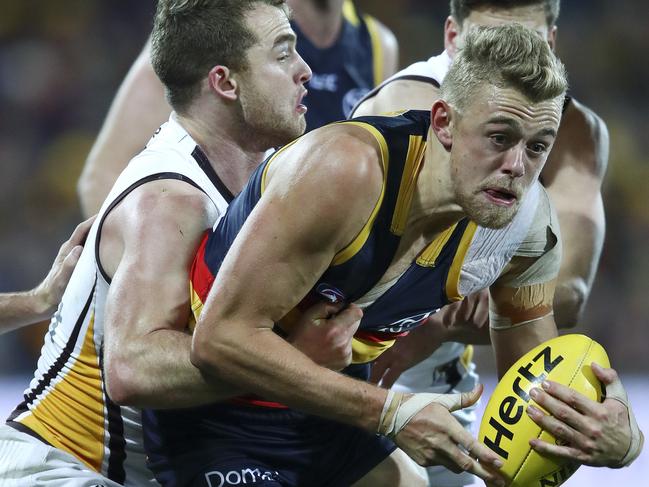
{"x":230,"y":444}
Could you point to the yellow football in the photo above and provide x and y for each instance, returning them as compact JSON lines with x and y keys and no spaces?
{"x":506,"y":428}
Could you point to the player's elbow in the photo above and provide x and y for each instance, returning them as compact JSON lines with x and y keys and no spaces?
{"x":122,"y":385}
{"x":204,"y":354}
{"x":569,"y":303}
{"x":198,"y":354}
{"x":127,"y":381}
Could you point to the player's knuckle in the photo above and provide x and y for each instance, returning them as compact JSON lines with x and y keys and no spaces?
{"x":563,"y":414}
{"x":596,"y":433}
{"x":561,"y":431}
{"x":589,"y":447}
{"x":602,"y":416}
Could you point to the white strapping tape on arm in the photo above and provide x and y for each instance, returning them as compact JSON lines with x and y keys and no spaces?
{"x":397,"y":412}
{"x":616,"y":391}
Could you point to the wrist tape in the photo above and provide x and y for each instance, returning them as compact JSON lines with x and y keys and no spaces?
{"x":616,"y":391}
{"x":400,"y":408}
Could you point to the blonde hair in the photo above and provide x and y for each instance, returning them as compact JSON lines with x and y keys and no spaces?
{"x":506,"y":56}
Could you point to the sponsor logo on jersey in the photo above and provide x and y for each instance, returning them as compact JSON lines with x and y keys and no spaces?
{"x":245,"y":476}
{"x":330,"y":293}
{"x":406,"y":324}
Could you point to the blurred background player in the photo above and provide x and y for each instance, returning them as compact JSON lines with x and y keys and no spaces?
{"x":351,"y":52}
{"x":572,"y":176}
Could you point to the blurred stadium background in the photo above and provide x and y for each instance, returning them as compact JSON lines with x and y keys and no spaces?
{"x":61,"y":62}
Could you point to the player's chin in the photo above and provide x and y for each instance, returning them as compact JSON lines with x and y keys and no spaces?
{"x":299,"y":127}
{"x":488,"y":215}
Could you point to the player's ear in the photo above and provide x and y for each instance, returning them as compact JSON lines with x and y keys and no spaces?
{"x":222,"y":83}
{"x":440,"y":123}
{"x":451,"y":33}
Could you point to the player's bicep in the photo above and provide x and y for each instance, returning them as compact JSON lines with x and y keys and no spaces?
{"x":315,"y":203}
{"x":146,"y":247}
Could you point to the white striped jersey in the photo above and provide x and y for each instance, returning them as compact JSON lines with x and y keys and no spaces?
{"x":66,"y":404}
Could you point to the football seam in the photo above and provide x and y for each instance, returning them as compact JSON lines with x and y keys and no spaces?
{"x":538,"y":436}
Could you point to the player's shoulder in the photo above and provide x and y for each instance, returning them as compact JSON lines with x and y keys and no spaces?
{"x":581,"y":118}
{"x":347,"y":155}
{"x":166,"y":203}
{"x":584,"y":134}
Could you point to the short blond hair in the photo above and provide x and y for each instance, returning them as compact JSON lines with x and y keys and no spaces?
{"x":506,"y":56}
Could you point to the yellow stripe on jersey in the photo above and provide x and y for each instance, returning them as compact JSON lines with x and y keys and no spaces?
{"x":453,"y":279}
{"x":364,"y":351}
{"x":76,"y":400}
{"x":197,"y":307}
{"x":428,"y":257}
{"x":377,"y":49}
{"x":349,"y":13}
{"x":270,"y":161}
{"x":414,"y":159}
{"x":350,"y":250}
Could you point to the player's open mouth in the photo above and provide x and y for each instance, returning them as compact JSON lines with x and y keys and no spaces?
{"x":500,"y":196}
{"x":301,"y":107}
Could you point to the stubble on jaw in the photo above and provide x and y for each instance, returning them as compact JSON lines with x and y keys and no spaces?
{"x":480,"y":210}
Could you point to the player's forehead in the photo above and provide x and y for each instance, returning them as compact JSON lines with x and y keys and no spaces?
{"x":508,"y":106}
{"x":531,"y":16}
{"x":269,"y":24}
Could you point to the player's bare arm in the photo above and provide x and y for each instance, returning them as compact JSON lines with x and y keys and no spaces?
{"x":576,"y":166}
{"x":147,"y":243}
{"x":140,"y":107}
{"x":288,"y":241}
{"x":520,"y":314}
{"x":24,"y":308}
{"x":147,"y":342}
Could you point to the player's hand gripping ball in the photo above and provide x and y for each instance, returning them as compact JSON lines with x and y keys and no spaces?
{"x":507,"y":429}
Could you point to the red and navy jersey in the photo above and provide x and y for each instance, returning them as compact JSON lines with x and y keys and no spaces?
{"x":344,"y":72}
{"x":432,"y":279}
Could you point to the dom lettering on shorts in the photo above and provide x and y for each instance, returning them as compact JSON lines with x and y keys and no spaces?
{"x":246,"y":476}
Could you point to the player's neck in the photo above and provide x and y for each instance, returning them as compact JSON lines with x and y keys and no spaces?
{"x":227,"y":152}
{"x":434,"y":201}
{"x":319,"y":21}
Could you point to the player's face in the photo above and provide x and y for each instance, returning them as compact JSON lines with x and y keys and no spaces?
{"x":500,"y":143}
{"x":531,"y":16}
{"x":272,"y":89}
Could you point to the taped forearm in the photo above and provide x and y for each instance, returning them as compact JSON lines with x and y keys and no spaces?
{"x":616,"y":391}
{"x":512,"y":307}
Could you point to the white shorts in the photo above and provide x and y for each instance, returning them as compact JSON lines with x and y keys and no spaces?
{"x":28,"y":462}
